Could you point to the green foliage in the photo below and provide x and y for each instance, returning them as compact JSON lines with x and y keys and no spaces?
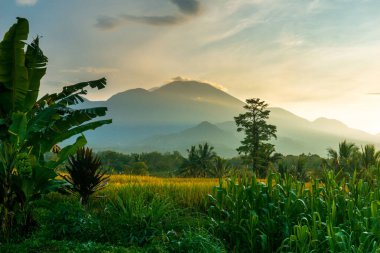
{"x":69,"y":221}
{"x":303,"y":166}
{"x":27,"y":122}
{"x":22,"y":181}
{"x":283,"y":215}
{"x":297,"y":168}
{"x":158,"y":164}
{"x":350,"y":158}
{"x":85,"y":174}
{"x":194,"y":241}
{"x":146,"y":218}
{"x":220,"y":168}
{"x":162,"y":164}
{"x":53,"y":246}
{"x":114,"y":162}
{"x":16,"y":68}
{"x":369,"y":156}
{"x":29,"y":127}
{"x":334,"y":214}
{"x":257,"y":132}
{"x":138,"y":168}
{"x":346,"y":158}
{"x":130,"y":216}
{"x":199,"y":162}
{"x":142,"y":218}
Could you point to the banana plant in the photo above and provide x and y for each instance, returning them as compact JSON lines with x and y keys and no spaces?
{"x":30,"y":127}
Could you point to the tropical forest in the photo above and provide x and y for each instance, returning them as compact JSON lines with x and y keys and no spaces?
{"x":90,"y":163}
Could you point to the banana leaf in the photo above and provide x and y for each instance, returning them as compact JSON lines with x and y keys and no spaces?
{"x":14,"y":83}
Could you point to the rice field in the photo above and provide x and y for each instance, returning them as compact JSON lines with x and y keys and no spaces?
{"x":186,"y":192}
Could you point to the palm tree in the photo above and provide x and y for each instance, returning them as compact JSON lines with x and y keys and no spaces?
{"x":206,"y":156}
{"x":347,"y":158}
{"x":199,"y":161}
{"x":188,"y":168}
{"x":369,"y":156}
{"x":333,"y":155}
{"x":220,"y":168}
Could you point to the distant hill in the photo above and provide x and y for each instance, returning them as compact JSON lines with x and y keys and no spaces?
{"x":224,"y":142}
{"x":183,"y":113}
{"x":176,"y":103}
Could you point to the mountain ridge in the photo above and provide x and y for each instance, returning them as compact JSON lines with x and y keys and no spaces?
{"x":165,"y":114}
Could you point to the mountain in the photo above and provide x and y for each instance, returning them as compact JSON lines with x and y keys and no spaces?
{"x":177,"y":103}
{"x":184,"y":113}
{"x":139,"y":114}
{"x":225,"y":142}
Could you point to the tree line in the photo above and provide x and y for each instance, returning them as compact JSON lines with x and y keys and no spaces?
{"x":202,"y":160}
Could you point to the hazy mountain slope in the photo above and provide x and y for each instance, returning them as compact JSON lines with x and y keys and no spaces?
{"x":296,"y":135}
{"x":178,"y":103}
{"x":167,"y":118}
{"x":224,"y":142}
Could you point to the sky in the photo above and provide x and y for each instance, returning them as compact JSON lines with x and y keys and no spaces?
{"x":315,"y":58}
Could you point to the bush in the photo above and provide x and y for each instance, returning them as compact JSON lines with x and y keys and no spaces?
{"x":37,"y":245}
{"x":193,"y":240}
{"x":85,"y":174}
{"x":68,"y":221}
{"x":138,"y":168}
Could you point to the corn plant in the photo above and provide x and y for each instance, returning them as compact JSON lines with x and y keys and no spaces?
{"x":332,"y":214}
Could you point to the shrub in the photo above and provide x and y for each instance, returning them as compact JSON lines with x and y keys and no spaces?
{"x":85,"y":174}
{"x":69,"y":221}
{"x":138,"y":168}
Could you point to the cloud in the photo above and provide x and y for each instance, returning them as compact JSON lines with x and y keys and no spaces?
{"x":187,"y":7}
{"x":290,"y":40}
{"x":180,"y":78}
{"x":107,"y":23}
{"x":92,"y":70}
{"x":213,"y":84}
{"x":190,"y":7}
{"x":155,"y":20}
{"x":26,"y":2}
{"x":217,"y":85}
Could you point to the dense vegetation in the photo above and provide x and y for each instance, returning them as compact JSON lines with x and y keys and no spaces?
{"x":304,"y":203}
{"x":30,"y":127}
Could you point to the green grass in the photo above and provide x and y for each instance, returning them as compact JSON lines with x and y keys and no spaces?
{"x":154,"y":217}
{"x":34,"y":245}
{"x":331,"y":214}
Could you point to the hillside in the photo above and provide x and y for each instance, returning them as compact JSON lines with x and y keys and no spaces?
{"x":169,"y":118}
{"x":224,"y":142}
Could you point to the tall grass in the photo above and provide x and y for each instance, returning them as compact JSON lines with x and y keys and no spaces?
{"x":241,"y":214}
{"x":156,"y":215}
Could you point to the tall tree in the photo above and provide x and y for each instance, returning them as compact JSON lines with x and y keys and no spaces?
{"x":257,"y":132}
